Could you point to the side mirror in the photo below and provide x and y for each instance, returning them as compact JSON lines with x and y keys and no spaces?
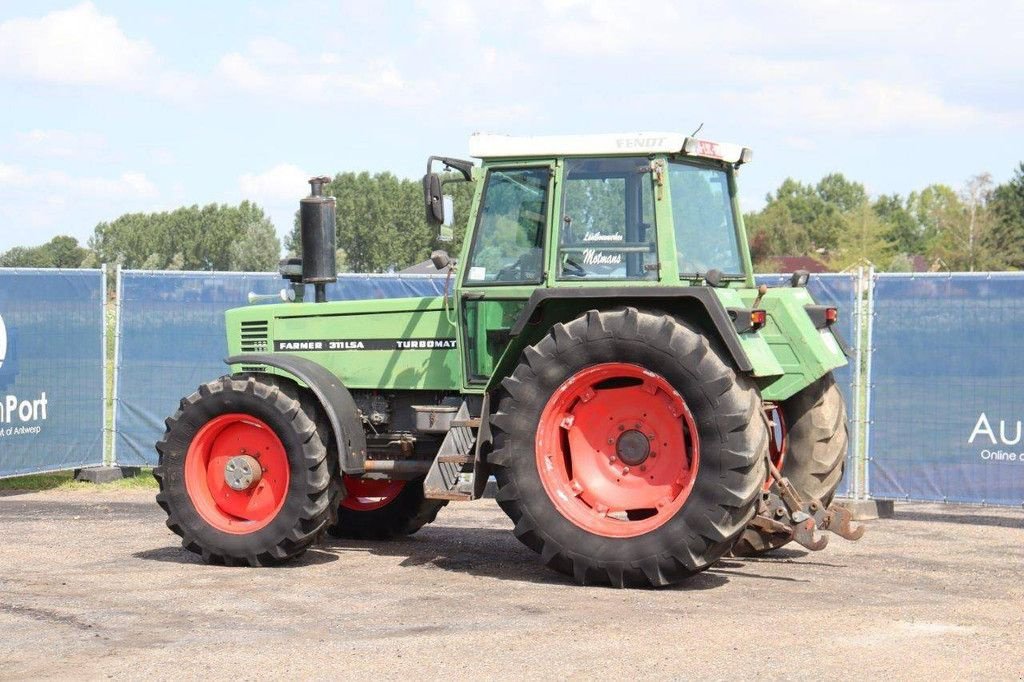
{"x":433,"y":201}
{"x":446,"y":232}
{"x":440,"y":259}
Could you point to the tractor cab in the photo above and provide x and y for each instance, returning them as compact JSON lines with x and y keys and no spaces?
{"x":643,"y":210}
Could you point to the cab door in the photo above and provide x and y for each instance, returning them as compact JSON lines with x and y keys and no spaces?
{"x":505,"y":263}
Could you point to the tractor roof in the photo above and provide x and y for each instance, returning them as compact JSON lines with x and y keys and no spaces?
{"x":487,"y":146}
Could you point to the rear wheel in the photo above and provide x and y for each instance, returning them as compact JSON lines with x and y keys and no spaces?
{"x":243,"y":477}
{"x":376,"y":509}
{"x":812,"y":452}
{"x":627,"y":451}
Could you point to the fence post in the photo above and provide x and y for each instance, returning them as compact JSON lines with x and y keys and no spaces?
{"x":869,"y":351}
{"x":104,"y":364}
{"x":857,"y":385}
{"x":117,"y":366}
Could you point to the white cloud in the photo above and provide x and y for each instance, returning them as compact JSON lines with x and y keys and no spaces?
{"x":860,"y":107}
{"x":271,"y":68}
{"x":15,"y":180}
{"x":73,"y":46}
{"x":283,"y":183}
{"x":59,"y":143}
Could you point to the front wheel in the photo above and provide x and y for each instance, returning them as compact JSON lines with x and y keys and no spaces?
{"x":244,"y":477}
{"x":627,"y":451}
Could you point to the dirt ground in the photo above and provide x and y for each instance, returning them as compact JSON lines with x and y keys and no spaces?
{"x":92,"y":584}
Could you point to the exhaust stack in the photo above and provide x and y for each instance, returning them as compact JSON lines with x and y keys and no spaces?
{"x":317,"y":220}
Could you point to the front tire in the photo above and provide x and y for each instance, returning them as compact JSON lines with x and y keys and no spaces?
{"x":627,"y":451}
{"x":244,"y":477}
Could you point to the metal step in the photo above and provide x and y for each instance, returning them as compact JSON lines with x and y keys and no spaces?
{"x":444,"y":480}
{"x":455,"y":459}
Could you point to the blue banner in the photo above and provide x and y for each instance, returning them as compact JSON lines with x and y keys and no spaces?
{"x":51,"y":370}
{"x":947,"y":394}
{"x":839,"y":290}
{"x":172,"y":338}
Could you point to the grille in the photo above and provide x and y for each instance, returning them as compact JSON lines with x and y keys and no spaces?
{"x":254,"y":337}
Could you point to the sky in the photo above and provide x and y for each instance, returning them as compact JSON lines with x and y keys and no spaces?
{"x":115,"y":107}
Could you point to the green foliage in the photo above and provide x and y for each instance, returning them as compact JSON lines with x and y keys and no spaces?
{"x":382,"y":225}
{"x":59,"y":252}
{"x":213,"y":237}
{"x":979,"y":228}
{"x":803,"y":219}
{"x":862,"y":239}
{"x":1006,"y":236}
{"x":901,"y":229}
{"x":257,"y":247}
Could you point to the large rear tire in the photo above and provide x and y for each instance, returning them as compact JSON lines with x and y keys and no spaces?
{"x":381,"y":510}
{"x":627,"y":450}
{"x":814,"y":458}
{"x":244,"y":476}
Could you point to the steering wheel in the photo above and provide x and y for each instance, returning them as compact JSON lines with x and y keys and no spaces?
{"x":572,"y":268}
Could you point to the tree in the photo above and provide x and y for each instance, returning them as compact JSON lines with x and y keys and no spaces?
{"x":955,"y":226}
{"x":1006,"y":236}
{"x":803,"y":219}
{"x":381,"y":221}
{"x":257,"y":248}
{"x":862,"y":239}
{"x":847,"y":196}
{"x":206,"y":238}
{"x":60,"y":252}
{"x":901,"y":230}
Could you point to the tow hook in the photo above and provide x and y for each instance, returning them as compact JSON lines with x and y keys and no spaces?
{"x":787,"y":513}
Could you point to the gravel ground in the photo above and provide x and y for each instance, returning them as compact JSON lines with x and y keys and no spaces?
{"x":92,"y":584}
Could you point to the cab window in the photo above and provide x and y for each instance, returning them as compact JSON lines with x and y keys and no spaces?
{"x":704,"y":224}
{"x":607,"y":222}
{"x":509,"y":241}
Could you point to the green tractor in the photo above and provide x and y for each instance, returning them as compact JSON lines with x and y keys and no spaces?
{"x":600,"y":350}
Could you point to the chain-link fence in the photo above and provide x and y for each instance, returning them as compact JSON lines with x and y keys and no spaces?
{"x":52,"y":386}
{"x":947,"y":388}
{"x":934,"y":391}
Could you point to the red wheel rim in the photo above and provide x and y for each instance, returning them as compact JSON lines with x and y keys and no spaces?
{"x":219,"y":441}
{"x":617,"y":450}
{"x":777,"y":440}
{"x":368,"y":494}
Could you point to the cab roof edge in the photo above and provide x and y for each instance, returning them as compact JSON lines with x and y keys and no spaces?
{"x":491,"y":146}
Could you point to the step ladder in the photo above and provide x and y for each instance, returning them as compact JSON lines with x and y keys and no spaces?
{"x":455,"y":457}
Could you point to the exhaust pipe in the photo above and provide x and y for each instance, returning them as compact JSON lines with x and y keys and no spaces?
{"x":317,"y":220}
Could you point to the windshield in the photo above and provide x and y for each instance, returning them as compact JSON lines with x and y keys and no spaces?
{"x":702,"y":215}
{"x":507,"y":248}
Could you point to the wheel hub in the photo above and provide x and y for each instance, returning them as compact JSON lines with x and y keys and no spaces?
{"x":242,"y":472}
{"x":633,"y":447}
{"x":617,"y":450}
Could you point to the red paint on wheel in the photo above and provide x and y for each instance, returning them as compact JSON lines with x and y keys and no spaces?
{"x":778,"y":439}
{"x":219,"y":440}
{"x":368,"y":494}
{"x":592,"y":457}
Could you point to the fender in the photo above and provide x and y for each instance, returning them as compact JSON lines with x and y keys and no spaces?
{"x":335,"y":399}
{"x":703,"y":297}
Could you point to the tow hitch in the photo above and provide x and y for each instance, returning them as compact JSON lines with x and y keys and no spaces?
{"x":787,"y":513}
